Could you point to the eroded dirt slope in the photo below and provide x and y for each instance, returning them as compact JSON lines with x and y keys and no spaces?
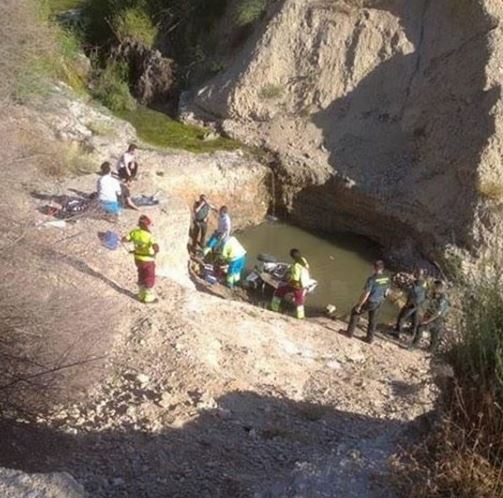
{"x":385,"y":115}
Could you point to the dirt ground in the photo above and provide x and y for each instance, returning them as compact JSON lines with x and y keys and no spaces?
{"x":196,"y":396}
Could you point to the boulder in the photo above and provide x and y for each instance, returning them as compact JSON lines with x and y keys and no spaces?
{"x":17,"y":484}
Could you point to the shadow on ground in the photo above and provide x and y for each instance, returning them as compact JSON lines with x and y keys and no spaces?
{"x":250,"y":445}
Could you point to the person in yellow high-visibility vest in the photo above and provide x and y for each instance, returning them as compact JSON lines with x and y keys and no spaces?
{"x":298,"y":280}
{"x":145,"y":250}
{"x":233,"y":254}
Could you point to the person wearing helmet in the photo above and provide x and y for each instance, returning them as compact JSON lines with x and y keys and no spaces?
{"x":145,"y":250}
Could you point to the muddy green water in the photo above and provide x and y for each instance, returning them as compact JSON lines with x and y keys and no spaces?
{"x":340,"y":263}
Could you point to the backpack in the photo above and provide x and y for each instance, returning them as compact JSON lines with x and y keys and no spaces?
{"x":203,"y":213}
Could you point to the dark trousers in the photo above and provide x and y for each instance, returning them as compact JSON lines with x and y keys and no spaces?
{"x":436,"y":329}
{"x":408,"y":312}
{"x":123,"y":175}
{"x":146,"y":273}
{"x":373,"y":310}
{"x":199,"y":229}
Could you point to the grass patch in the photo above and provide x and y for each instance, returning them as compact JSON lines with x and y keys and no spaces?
{"x":59,"y":6}
{"x":135,"y":24}
{"x":271,"y":91}
{"x":101,"y":129}
{"x":250,"y":11}
{"x":156,"y":128}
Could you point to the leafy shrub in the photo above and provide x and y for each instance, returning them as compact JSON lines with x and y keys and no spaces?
{"x":250,"y":11}
{"x":135,"y":24}
{"x":112,"y":90}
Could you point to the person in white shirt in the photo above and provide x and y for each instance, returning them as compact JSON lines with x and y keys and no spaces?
{"x":127,"y":167}
{"x":109,"y":190}
{"x":222,"y":233}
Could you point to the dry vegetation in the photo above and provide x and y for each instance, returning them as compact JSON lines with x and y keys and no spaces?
{"x":463,"y":454}
{"x":39,"y":343}
{"x":24,"y":47}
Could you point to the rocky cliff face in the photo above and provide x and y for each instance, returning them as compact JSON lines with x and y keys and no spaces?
{"x":385,"y":115}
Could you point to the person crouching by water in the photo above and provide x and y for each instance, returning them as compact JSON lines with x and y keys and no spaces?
{"x":222,"y":232}
{"x":298,"y":280}
{"x":109,"y":190}
{"x":434,"y":317}
{"x":233,"y":254}
{"x":145,"y":250}
{"x":374,"y":293}
{"x":416,"y":297}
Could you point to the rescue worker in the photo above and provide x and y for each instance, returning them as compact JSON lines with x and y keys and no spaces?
{"x":298,"y":280}
{"x":434,"y":317}
{"x":234,"y":255}
{"x":374,"y":293}
{"x":200,"y":214}
{"x":222,"y":232}
{"x":416,"y":298}
{"x":145,"y":250}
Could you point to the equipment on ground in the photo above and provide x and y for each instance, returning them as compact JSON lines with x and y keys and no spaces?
{"x":268,"y":274}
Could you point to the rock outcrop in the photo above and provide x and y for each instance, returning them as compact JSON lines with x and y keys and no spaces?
{"x":232,"y":178}
{"x":16,"y":484}
{"x":152,"y":76}
{"x":385,"y":115}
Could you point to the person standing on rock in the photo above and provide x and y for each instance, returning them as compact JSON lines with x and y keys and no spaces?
{"x":234,"y":255}
{"x":416,"y":297}
{"x":298,"y":280}
{"x":127,"y":167}
{"x":374,"y":293}
{"x":200,"y":214}
{"x":434,"y":318}
{"x":109,"y":190}
{"x":145,"y":250}
{"x":222,"y":233}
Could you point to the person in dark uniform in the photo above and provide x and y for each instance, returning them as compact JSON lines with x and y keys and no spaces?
{"x":434,"y":317}
{"x":416,"y":298}
{"x":375,"y":291}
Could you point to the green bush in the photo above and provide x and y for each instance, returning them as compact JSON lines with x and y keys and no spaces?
{"x":250,"y":11}
{"x":135,"y":24}
{"x":112,"y":90}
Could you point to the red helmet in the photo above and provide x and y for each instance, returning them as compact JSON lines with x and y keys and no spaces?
{"x":144,"y":221}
